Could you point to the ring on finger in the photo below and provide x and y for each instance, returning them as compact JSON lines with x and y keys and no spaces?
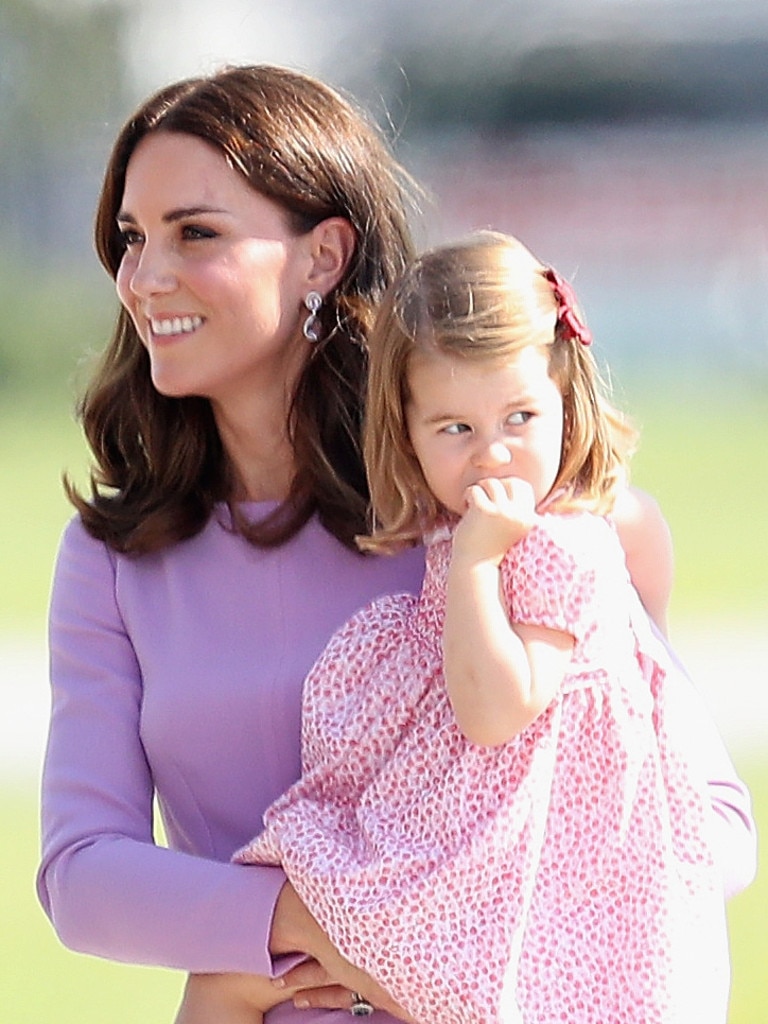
{"x":360,"y":1007}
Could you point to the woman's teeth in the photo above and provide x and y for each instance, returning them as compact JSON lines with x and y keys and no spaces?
{"x":176,"y":325}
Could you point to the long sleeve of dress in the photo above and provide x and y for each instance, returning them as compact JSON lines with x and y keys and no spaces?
{"x":108,"y":888}
{"x":177,"y":677}
{"x":735,"y":832}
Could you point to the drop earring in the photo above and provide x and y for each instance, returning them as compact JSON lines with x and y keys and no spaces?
{"x":311,"y":328}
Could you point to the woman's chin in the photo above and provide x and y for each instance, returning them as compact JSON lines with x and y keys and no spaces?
{"x":172,"y":388}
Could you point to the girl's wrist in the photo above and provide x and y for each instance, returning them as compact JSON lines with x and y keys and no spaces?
{"x":471,"y":563}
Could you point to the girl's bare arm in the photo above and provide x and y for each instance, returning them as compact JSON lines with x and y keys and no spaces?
{"x":647,"y":542}
{"x":500,"y":676}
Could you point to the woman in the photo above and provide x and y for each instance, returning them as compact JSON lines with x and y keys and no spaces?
{"x":215,"y":556}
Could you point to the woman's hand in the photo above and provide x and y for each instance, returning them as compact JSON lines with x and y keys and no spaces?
{"x":327,"y":980}
{"x":230,"y":998}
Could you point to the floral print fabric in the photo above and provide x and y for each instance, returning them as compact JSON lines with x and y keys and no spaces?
{"x":563,"y":876}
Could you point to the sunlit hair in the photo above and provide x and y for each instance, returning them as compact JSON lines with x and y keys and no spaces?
{"x":159,"y":466}
{"x":482,"y":299}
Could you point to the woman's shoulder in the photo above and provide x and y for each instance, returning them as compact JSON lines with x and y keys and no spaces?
{"x":78,"y":543}
{"x":377,"y":573}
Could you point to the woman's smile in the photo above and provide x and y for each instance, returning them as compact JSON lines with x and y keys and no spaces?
{"x":166,"y":327}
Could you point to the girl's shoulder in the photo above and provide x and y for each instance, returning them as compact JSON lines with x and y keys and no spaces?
{"x":578,"y":533}
{"x":571,"y":550}
{"x":554,"y":575}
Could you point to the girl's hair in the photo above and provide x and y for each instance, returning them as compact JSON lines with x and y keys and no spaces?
{"x":159,"y":462}
{"x":482,"y":299}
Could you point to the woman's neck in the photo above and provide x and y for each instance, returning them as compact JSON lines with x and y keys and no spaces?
{"x":259,"y":450}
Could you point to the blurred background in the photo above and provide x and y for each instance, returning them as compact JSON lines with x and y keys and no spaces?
{"x":625,"y":141}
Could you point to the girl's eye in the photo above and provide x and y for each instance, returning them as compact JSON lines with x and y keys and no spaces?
{"x":518,"y":419}
{"x":456,"y":428}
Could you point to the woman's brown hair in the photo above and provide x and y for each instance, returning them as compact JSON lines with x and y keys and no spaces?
{"x":481,"y":299}
{"x":159,"y":464}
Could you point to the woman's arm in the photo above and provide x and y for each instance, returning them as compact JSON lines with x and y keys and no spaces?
{"x":108,"y":889}
{"x":735,"y":834}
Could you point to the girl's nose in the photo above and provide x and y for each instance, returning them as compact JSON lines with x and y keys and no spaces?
{"x":493,"y":453}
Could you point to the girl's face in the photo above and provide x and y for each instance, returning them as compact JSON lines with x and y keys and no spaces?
{"x":212,"y":275}
{"x":469,"y":421}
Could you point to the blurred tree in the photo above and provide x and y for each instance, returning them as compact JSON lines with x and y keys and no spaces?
{"x":578,"y":81}
{"x":61,"y":84}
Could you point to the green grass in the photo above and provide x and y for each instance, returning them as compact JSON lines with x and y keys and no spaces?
{"x":45,"y":982}
{"x":42,"y":981}
{"x":704,"y":459}
{"x":38,"y":441}
{"x":747,"y":919}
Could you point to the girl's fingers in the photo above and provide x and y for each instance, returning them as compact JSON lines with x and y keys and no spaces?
{"x":492,"y":494}
{"x":477,"y":497}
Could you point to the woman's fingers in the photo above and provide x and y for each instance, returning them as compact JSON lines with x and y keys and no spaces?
{"x":309,"y":974}
{"x":330,"y":997}
{"x":316,"y":987}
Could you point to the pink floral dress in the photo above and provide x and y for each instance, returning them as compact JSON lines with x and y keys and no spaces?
{"x":565,"y":876}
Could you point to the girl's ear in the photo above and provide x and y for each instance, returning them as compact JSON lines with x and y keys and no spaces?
{"x":333,"y":242}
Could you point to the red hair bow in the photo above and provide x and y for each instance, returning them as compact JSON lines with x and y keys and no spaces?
{"x":570,"y":324}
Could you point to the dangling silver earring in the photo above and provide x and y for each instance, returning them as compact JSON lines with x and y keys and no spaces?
{"x":311,"y":329}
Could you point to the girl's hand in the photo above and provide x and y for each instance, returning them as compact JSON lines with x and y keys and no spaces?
{"x":500,"y":512}
{"x":327,"y":980}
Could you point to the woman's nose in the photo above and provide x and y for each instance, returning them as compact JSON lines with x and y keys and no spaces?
{"x":152,"y":273}
{"x":492,"y":453}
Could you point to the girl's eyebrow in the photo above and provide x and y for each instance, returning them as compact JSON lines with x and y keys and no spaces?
{"x":448,"y":417}
{"x":181,"y":213}
{"x":523,"y":399}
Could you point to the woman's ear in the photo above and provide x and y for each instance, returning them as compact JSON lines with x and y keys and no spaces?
{"x":333,"y":242}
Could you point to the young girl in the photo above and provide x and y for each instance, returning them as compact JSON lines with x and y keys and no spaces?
{"x":499,"y":818}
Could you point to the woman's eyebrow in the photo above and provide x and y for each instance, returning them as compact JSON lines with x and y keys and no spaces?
{"x":181,"y":213}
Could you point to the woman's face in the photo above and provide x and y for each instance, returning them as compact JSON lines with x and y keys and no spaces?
{"x":212,"y":276}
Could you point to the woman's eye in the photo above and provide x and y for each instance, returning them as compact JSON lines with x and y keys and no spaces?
{"x":456,"y":428}
{"x":129,"y":237}
{"x":193,"y":232}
